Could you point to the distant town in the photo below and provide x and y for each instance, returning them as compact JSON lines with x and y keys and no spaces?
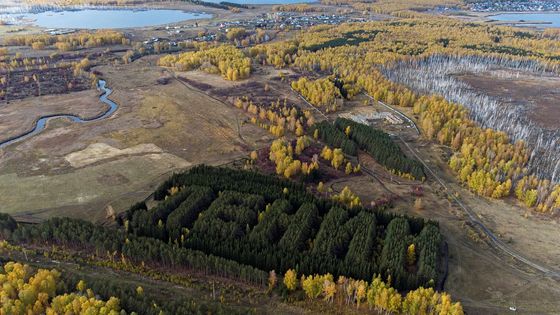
{"x":517,"y":6}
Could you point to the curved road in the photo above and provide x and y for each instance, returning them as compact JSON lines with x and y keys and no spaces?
{"x":499,"y":244}
{"x":41,"y":123}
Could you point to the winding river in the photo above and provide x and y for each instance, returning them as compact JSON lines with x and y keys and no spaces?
{"x":41,"y":123}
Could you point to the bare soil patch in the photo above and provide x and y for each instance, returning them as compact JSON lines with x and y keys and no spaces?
{"x":96,"y":152}
{"x":264,"y":86}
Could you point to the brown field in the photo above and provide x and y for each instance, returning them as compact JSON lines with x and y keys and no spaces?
{"x":263,"y":87}
{"x":19,"y":116}
{"x":541,"y":93}
{"x":72,"y":169}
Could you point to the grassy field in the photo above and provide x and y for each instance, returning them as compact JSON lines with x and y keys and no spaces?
{"x":73,"y":169}
{"x":19,"y":116}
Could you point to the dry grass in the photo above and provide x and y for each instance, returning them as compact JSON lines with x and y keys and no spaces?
{"x":73,"y":169}
{"x":19,"y":116}
{"x":541,"y":93}
{"x":86,"y":189}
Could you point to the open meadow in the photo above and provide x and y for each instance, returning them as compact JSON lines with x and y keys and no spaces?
{"x":157,"y":129}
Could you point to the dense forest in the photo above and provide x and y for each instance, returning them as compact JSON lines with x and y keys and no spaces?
{"x":241,"y":224}
{"x":273,"y":224}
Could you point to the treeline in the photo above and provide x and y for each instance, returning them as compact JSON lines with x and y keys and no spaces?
{"x":69,"y":42}
{"x":226,"y":60}
{"x":489,"y":162}
{"x":350,"y":135}
{"x":337,"y":42}
{"x":234,"y":5}
{"x":302,"y":7}
{"x":91,"y":238}
{"x":378,"y":294}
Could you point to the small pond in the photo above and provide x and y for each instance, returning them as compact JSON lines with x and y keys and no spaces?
{"x":107,"y":18}
{"x":532,"y":19}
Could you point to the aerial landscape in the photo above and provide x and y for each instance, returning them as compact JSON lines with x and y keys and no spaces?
{"x":279,"y":157}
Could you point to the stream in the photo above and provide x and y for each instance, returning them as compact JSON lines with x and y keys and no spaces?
{"x":41,"y":123}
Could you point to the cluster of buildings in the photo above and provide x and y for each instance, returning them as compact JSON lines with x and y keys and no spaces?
{"x":290,"y":20}
{"x":267,"y":21}
{"x":515,"y":5}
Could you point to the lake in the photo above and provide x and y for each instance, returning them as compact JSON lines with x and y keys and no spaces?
{"x":110,"y":18}
{"x":552,"y":19}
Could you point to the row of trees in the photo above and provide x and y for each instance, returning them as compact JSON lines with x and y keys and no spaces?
{"x":328,"y":133}
{"x":381,"y":147}
{"x":378,"y":295}
{"x":69,"y":41}
{"x":105,"y":242}
{"x":178,"y":211}
{"x":226,"y":60}
{"x":277,"y":117}
{"x":301,"y":7}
